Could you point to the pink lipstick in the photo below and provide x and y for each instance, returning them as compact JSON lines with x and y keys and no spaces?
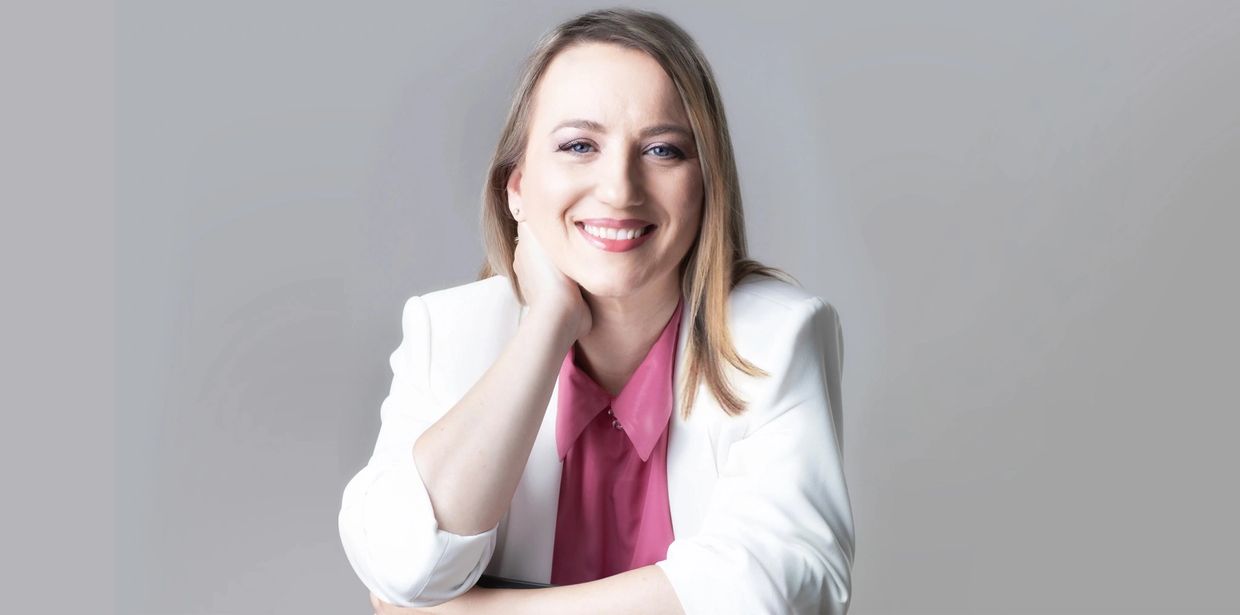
{"x":613,"y":235}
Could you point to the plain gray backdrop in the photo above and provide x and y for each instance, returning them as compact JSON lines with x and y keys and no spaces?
{"x":1024,"y":213}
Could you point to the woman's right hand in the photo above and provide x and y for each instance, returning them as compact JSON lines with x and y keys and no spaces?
{"x":545,"y":288}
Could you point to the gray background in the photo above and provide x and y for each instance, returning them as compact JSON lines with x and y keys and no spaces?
{"x":1022,"y":212}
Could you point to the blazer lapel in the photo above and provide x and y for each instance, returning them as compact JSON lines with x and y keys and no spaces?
{"x":690,"y":454}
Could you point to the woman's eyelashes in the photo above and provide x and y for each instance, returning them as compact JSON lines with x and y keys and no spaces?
{"x":666,"y":152}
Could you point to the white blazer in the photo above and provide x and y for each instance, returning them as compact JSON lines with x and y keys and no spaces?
{"x":760,"y":509}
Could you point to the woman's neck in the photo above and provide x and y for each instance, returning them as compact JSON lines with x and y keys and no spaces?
{"x":624,"y":330}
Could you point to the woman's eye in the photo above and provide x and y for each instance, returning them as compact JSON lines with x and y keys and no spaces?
{"x":573,"y":145}
{"x":671,"y":151}
{"x":661,"y":151}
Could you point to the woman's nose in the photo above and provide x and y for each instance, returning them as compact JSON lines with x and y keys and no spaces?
{"x":618,"y":182}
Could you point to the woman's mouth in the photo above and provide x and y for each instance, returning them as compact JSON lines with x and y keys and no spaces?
{"x":615,"y":240}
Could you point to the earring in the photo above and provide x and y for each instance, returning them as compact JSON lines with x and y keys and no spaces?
{"x":516,"y":211}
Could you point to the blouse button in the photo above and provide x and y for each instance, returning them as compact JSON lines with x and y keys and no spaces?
{"x":614,"y":422}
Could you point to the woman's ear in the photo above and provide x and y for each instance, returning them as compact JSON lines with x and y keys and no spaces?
{"x":514,"y":194}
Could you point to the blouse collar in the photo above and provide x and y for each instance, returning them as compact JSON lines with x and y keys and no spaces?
{"x":643,"y":407}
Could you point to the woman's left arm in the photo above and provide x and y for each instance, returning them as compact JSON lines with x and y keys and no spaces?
{"x":641,"y":591}
{"x":777,"y":536}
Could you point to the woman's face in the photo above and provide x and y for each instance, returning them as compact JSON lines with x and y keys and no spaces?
{"x":609,"y":145}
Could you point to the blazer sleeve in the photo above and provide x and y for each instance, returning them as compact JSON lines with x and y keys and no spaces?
{"x":777,"y":536}
{"x":387,"y":526}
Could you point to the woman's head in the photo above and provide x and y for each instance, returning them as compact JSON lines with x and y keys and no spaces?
{"x":626,"y":70}
{"x":608,"y":142}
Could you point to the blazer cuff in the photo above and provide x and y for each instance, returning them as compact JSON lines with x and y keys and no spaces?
{"x":692,"y":593}
{"x":395,"y":544}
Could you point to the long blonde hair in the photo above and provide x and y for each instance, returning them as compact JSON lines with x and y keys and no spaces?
{"x":718,"y":259}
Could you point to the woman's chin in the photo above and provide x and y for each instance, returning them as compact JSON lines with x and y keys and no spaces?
{"x":609,"y":287}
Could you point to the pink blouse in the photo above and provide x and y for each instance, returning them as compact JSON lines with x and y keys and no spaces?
{"x":613,"y":510}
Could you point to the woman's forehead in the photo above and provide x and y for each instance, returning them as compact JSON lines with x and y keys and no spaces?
{"x":612,"y":85}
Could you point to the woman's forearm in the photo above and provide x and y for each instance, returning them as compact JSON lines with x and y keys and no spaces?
{"x":642,"y":591}
{"x":472,"y":458}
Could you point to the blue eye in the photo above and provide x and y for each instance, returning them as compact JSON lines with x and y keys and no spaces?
{"x":671,"y":152}
{"x":568,"y":147}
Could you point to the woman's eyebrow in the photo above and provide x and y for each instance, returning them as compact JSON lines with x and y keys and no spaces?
{"x":649,"y":131}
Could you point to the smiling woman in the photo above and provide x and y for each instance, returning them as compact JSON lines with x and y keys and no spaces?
{"x":590,"y":414}
{"x":629,"y":163}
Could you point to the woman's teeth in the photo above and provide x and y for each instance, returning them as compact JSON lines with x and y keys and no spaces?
{"x":613,"y":233}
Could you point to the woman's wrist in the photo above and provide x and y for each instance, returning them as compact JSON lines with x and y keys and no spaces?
{"x":550,"y":323}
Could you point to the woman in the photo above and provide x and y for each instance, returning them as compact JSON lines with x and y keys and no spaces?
{"x":623,"y":405}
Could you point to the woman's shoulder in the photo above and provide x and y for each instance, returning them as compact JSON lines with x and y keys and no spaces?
{"x":495,"y":289}
{"x":791,"y":333}
{"x":466,"y":327}
{"x":490,"y":300}
{"x":781,"y":326}
{"x":764,"y":298}
{"x":462,"y":314}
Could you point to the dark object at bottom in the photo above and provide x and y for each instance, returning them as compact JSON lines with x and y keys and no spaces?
{"x":492,"y":581}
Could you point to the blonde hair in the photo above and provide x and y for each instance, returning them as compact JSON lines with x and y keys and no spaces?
{"x":718,"y":258}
